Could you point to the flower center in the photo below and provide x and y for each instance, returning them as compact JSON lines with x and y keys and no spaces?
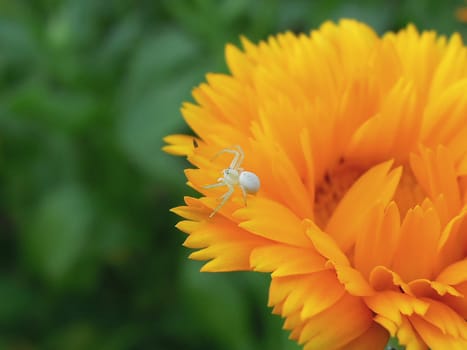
{"x":330,"y":191}
{"x":337,"y":182}
{"x":408,"y":193}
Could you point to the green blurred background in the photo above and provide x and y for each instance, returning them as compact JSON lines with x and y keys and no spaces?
{"x":89,"y":255}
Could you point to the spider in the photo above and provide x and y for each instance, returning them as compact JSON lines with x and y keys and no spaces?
{"x":233,"y":176}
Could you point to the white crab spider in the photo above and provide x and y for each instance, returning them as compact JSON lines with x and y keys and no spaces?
{"x":233,"y":176}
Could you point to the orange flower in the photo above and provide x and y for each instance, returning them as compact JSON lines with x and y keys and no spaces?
{"x":360,"y":144}
{"x":461,"y":14}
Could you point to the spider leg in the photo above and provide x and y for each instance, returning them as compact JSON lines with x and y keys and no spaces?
{"x":241,"y":156}
{"x":227,"y":150}
{"x":225,"y":197}
{"x":238,"y":156}
{"x":217,"y":184}
{"x":244,"y":194}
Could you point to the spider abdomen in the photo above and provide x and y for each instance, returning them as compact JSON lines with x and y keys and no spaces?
{"x":249,"y":181}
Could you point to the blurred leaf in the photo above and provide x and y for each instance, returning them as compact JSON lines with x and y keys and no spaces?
{"x":58,"y":232}
{"x":162,"y":57}
{"x":233,"y":9}
{"x":73,"y":24}
{"x":76,"y":336}
{"x":123,"y":37}
{"x":143,"y":126}
{"x":393,"y":344}
{"x":377,"y":14}
{"x":298,"y":17}
{"x":58,"y":108}
{"x":430,"y":14}
{"x":161,"y":76}
{"x":206,"y":294}
{"x":16,"y":41}
{"x":267,"y":328}
{"x":112,"y":241}
{"x":19,"y":301}
{"x":18,"y":51}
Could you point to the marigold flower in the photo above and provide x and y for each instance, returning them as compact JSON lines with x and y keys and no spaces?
{"x":461,"y":14}
{"x":360,"y":143}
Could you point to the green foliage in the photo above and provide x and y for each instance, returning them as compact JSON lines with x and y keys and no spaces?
{"x":89,"y":255}
{"x":393,"y":344}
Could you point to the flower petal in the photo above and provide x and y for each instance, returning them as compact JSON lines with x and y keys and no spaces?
{"x":180,"y":145}
{"x":453,"y":241}
{"x":239,"y":63}
{"x":218,"y":239}
{"x":446,"y":320}
{"x":392,"y":305}
{"x":445,"y":113}
{"x":377,"y":185}
{"x":382,"y":278}
{"x":409,"y":337}
{"x":285,"y":227}
{"x":283,"y":179}
{"x":454,"y":274}
{"x":378,"y":238}
{"x":435,"y":338}
{"x":350,"y":319}
{"x":308,"y":293}
{"x":325,"y":244}
{"x":432,"y":289}
{"x":392,"y":131}
{"x":458,"y":304}
{"x":376,"y":337}
{"x":435,"y":172}
{"x":353,"y":280}
{"x":284,"y":260}
{"x":419,"y":235}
